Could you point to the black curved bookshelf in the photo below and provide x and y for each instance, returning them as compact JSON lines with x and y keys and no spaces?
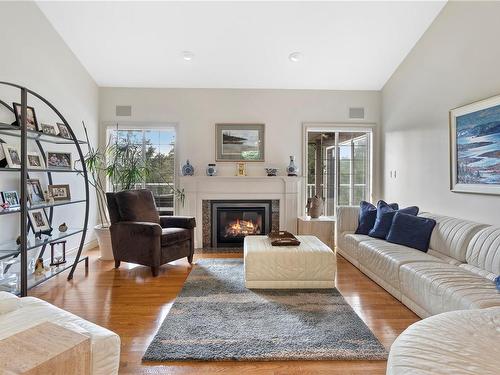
{"x":10,"y":249}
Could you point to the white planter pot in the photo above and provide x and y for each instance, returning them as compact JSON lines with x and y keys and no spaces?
{"x":104,"y":240}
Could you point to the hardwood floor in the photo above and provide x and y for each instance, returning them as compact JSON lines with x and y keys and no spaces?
{"x":130,"y":302}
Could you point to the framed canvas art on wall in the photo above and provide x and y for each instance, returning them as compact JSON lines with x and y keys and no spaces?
{"x":475,"y":147}
{"x":239,"y":142}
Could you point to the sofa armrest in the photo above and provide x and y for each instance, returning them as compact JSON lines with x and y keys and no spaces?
{"x":347,"y":218}
{"x":187,"y":222}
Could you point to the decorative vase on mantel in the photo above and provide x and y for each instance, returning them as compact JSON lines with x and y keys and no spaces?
{"x":292,"y":169}
{"x":187,"y":169}
{"x":211,"y":170}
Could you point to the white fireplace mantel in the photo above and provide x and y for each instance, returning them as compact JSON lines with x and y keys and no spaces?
{"x":287,"y":190}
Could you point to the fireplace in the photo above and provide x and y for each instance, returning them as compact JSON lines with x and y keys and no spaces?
{"x":232,"y":220}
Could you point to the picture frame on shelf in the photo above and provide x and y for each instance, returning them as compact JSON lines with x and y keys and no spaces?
{"x":11,"y":197}
{"x":3,"y":161}
{"x":475,"y":147}
{"x":12,"y":155}
{"x":63,"y":130}
{"x":240,"y":142}
{"x":31,"y":121}
{"x":60,"y":192}
{"x":35,"y":161}
{"x":35,"y":191}
{"x":38,"y":220}
{"x":48,"y":129}
{"x":59,"y":160}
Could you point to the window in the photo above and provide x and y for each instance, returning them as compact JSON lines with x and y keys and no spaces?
{"x":152,"y":150}
{"x":338,"y":166}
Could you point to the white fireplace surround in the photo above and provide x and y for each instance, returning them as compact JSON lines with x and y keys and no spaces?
{"x":287,"y":190}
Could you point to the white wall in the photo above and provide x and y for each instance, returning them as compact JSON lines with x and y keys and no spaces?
{"x":196,"y":111}
{"x":456,"y":62}
{"x":34,"y":55}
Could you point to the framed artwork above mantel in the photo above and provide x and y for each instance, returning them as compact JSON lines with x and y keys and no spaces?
{"x":239,"y":142}
{"x":475,"y":147}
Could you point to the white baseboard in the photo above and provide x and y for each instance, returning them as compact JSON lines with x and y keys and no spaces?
{"x":86,"y":246}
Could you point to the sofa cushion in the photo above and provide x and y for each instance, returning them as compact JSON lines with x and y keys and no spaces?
{"x":478,"y":271}
{"x":438,"y":287}
{"x":137,"y":205}
{"x":411,"y":231}
{"x":455,"y":343}
{"x":451,"y":236}
{"x":443,"y":257}
{"x":385,"y":214}
{"x":368,"y":215}
{"x":170,"y":236}
{"x":348,"y":243}
{"x":484,"y":250}
{"x":384,"y":259}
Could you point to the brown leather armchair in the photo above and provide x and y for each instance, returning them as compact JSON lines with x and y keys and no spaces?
{"x":139,"y":235}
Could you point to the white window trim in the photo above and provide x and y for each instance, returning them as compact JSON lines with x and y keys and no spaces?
{"x":308,"y":127}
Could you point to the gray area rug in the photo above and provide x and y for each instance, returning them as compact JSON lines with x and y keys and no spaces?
{"x":216,"y":318}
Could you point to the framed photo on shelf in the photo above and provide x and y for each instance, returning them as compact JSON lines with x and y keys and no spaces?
{"x":59,"y":159}
{"x":38,"y":220}
{"x":31,"y":121}
{"x":63,"y":131}
{"x":475,"y":147}
{"x":11,"y":198}
{"x":35,"y":191}
{"x":12,"y":154}
{"x":48,"y":129}
{"x":59,"y":192}
{"x":35,"y":161}
{"x":239,"y":142}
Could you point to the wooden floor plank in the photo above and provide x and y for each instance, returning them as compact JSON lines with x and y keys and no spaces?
{"x":130,"y":302}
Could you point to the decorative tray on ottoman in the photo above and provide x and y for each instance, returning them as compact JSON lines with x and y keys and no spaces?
{"x":283,"y":238}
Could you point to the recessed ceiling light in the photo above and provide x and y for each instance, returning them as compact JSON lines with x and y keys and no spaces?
{"x":187,"y":55}
{"x":294,"y":56}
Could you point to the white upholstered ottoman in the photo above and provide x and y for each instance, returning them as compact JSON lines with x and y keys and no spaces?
{"x":312,"y":264}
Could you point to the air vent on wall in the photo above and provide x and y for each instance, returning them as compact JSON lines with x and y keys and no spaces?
{"x":356,"y":113}
{"x":124,"y":110}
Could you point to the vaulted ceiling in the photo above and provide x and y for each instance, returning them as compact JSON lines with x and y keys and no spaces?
{"x":340,"y":45}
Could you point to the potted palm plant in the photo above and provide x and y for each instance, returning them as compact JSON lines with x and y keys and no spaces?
{"x":124,"y":167}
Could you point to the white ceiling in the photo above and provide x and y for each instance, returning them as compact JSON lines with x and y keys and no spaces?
{"x":344,"y":45}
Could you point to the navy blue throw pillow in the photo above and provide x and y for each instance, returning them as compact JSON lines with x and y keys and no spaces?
{"x":412,"y":231}
{"x":385,"y":214}
{"x":367,"y":216}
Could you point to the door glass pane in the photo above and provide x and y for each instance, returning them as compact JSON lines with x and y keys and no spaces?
{"x":344,"y":195}
{"x":351,"y":184}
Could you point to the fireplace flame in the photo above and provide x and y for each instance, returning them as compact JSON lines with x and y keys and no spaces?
{"x":241,"y":228}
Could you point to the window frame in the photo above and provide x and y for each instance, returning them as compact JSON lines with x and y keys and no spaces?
{"x":337,"y":128}
{"x":145,"y":126}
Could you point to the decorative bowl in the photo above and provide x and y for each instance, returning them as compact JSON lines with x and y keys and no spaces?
{"x":272,"y":171}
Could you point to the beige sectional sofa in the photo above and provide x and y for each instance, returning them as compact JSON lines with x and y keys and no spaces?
{"x":456,"y":273}
{"x":463,"y":342}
